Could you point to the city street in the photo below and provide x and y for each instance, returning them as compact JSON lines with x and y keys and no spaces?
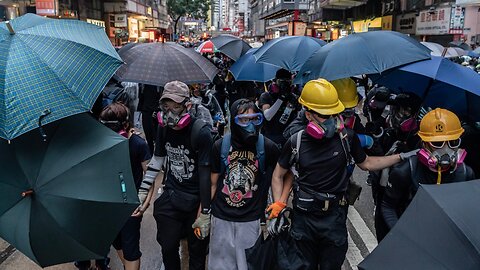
{"x":360,"y":223}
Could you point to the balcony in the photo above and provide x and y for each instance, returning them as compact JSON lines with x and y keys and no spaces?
{"x":278,"y":8}
{"x":341,"y":4}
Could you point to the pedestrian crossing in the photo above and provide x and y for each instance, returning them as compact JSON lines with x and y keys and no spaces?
{"x":367,"y":239}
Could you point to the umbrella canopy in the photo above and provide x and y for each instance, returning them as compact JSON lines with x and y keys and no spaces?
{"x":441,"y":82}
{"x":246,"y":69}
{"x":60,"y":65}
{"x":477,"y":50}
{"x":159,"y":63}
{"x":288,"y":52}
{"x":460,"y":44}
{"x":439,"y":230}
{"x":62,"y":201}
{"x":231,"y":46}
{"x":437,"y":49}
{"x":454,"y":52}
{"x":206,"y":47}
{"x":362,"y":53}
{"x":473,"y":54}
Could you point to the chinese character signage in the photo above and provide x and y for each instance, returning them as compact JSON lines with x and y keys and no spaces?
{"x":457,"y":19}
{"x":120,"y":20}
{"x":433,"y":22}
{"x":46,"y":7}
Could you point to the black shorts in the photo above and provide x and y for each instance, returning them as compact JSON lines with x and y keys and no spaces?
{"x":128,"y":240}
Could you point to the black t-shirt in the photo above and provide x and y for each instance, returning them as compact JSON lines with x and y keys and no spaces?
{"x":139,"y":152}
{"x":322,"y":164}
{"x":241,"y":195}
{"x":182,"y":159}
{"x":274,"y":128}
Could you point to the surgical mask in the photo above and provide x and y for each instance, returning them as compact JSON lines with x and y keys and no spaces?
{"x":250,"y":128}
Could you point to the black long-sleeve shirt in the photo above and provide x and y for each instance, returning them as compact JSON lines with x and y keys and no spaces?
{"x":403,"y":185}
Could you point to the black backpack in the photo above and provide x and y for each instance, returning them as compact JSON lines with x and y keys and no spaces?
{"x":115,"y":93}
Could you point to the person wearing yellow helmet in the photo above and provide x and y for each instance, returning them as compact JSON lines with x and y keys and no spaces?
{"x":321,"y":153}
{"x":440,"y":160}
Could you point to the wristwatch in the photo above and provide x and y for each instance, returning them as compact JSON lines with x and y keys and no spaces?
{"x":205,"y":211}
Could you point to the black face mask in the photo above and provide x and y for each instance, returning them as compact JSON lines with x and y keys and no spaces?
{"x":284,"y":85}
{"x":242,"y":137}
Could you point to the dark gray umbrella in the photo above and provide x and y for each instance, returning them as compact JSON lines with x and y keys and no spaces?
{"x":439,"y":230}
{"x":159,"y":63}
{"x":461,"y":45}
{"x":65,"y":199}
{"x":231,"y":46}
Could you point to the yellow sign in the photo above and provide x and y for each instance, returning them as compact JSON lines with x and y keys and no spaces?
{"x":387,"y":22}
{"x":364,"y":25}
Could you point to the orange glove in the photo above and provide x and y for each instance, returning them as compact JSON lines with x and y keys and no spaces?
{"x":275,"y":208}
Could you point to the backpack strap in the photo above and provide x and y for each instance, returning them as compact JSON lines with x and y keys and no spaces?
{"x":195,"y":131}
{"x":345,"y":138}
{"x":295,"y":157}
{"x":225,"y":151}
{"x":226,"y":148}
{"x":261,"y":153}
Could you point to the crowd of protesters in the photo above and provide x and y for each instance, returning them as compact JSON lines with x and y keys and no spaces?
{"x":232,"y":152}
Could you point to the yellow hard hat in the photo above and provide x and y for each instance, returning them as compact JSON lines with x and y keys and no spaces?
{"x":320,"y":96}
{"x":347,"y":92}
{"x":440,"y":125}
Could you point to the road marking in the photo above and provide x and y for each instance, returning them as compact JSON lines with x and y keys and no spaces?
{"x":354,"y":257}
{"x":358,"y":223}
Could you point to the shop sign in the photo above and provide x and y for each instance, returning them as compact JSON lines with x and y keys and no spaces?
{"x":387,"y":22}
{"x":120,"y":20}
{"x":366,"y":25}
{"x":406,"y":23}
{"x":457,"y":20}
{"x":132,"y":28}
{"x":96,"y":22}
{"x":436,"y":22}
{"x":46,"y":7}
{"x":149,"y":11}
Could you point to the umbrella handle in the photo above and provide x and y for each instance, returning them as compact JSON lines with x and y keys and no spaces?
{"x":40,"y":128}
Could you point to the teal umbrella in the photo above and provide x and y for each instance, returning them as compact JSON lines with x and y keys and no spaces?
{"x":60,"y":65}
{"x":65,"y":199}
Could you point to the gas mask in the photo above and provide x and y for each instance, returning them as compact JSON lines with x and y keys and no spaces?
{"x":442,"y":156}
{"x":172,"y":119}
{"x":348,"y":116}
{"x":403,"y":119}
{"x":327,"y":129}
{"x":284,"y":85}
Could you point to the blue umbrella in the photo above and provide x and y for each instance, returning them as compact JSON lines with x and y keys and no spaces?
{"x":245,"y":69}
{"x":363,"y":53}
{"x":473,"y":54}
{"x":288,"y":52}
{"x":440,"y":82}
{"x":48,"y":65}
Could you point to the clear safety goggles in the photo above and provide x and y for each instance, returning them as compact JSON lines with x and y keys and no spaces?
{"x":453,"y":144}
{"x":244,"y":120}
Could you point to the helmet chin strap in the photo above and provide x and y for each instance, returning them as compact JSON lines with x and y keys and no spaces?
{"x":439,"y":175}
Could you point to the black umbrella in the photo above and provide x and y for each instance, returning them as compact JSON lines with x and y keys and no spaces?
{"x":461,"y":45}
{"x":439,"y":230}
{"x":231,"y":46}
{"x":159,"y":63}
{"x":65,"y":199}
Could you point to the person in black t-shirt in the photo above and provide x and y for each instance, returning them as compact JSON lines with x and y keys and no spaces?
{"x":319,"y":204}
{"x":186,"y":143}
{"x":280,"y":106}
{"x":439,"y":161}
{"x":242,"y":164}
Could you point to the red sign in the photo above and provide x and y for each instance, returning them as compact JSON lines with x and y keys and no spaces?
{"x":46,"y":7}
